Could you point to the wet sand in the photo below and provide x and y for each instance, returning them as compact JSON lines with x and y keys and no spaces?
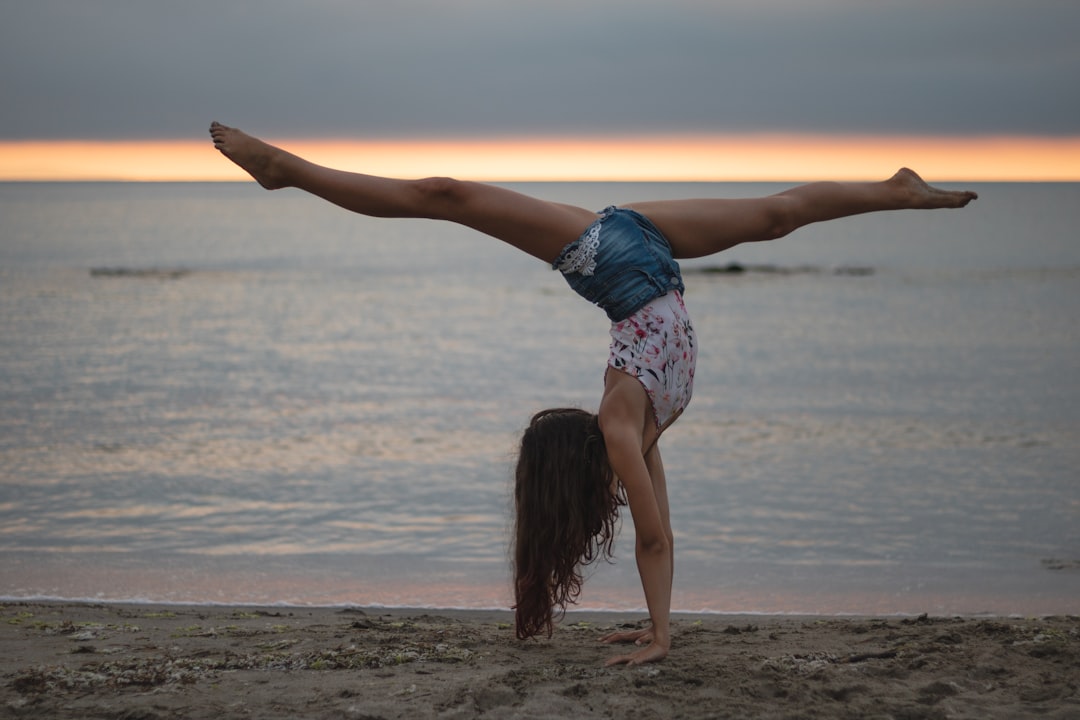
{"x":146,"y":662}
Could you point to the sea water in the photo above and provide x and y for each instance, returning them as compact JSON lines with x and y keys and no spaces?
{"x":210,"y":393}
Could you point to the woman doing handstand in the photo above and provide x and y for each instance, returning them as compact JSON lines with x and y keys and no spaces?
{"x":576,"y":468}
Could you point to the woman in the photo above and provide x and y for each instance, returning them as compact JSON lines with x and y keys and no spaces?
{"x":575,"y":468}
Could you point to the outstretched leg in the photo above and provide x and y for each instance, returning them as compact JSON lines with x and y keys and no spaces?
{"x":537,"y":227}
{"x":702,"y":227}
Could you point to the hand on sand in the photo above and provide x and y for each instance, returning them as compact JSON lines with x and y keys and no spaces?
{"x":650,"y":653}
{"x":638,"y":637}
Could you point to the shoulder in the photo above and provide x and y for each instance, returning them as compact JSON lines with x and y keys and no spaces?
{"x":625,"y":413}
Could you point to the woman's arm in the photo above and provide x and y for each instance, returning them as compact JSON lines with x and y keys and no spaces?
{"x":652,"y":549}
{"x":622,"y":415}
{"x":659,"y":484}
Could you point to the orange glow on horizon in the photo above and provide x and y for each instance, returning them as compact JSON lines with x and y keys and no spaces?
{"x":648,"y":158}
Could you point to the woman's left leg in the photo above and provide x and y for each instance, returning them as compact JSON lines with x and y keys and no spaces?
{"x":535,"y":226}
{"x":696,"y":228}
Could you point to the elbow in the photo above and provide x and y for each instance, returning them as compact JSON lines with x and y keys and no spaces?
{"x":653,"y":545}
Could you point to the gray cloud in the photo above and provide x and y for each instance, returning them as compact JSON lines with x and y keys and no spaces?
{"x":145,"y":69}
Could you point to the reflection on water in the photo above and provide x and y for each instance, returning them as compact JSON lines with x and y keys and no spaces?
{"x":280,"y":403}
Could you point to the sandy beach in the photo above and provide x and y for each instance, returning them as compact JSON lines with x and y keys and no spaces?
{"x":145,"y":662}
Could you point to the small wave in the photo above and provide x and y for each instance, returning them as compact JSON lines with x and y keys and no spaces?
{"x":737,"y":268}
{"x":151,"y":273}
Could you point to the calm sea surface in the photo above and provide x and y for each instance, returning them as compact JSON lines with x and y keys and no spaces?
{"x":210,"y":393}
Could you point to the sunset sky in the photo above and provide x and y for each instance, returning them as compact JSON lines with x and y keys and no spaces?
{"x":504,"y":89}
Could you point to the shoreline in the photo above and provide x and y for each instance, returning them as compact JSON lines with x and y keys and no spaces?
{"x":474,"y":613}
{"x":156,"y":660}
{"x":746,"y":588}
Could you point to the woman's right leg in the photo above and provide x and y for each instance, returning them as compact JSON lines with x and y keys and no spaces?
{"x":537,"y":227}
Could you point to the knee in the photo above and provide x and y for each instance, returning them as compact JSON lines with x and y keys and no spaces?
{"x":781,"y":218}
{"x":435,"y":196}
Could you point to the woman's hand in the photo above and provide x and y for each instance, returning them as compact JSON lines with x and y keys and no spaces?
{"x":650,"y":653}
{"x":638,"y":637}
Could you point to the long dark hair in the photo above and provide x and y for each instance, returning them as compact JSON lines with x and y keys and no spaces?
{"x":566,"y":513}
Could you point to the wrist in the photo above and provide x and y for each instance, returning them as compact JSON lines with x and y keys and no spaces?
{"x":661,"y":636}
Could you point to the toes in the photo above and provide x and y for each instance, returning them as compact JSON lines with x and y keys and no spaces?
{"x":218,"y":131}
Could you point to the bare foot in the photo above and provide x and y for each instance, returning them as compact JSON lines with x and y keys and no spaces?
{"x":919,"y":195}
{"x":260,"y":160}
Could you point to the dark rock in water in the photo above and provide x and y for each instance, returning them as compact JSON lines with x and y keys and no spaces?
{"x":729,"y":269}
{"x":152,"y":273}
{"x":736,"y":268}
{"x":797,"y":270}
{"x":854,"y":271}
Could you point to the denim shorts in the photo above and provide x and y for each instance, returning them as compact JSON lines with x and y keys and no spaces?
{"x":620,"y":263}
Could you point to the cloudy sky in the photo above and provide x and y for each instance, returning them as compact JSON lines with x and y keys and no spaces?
{"x":155,"y":69}
{"x":158,"y":69}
